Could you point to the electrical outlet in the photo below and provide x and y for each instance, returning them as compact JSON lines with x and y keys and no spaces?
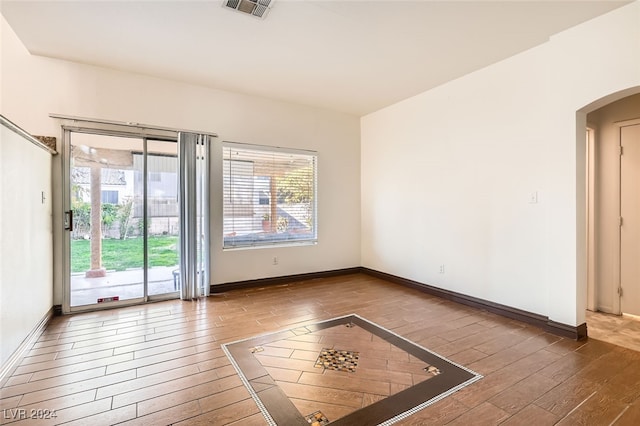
{"x":275,"y":260}
{"x":441,"y":269}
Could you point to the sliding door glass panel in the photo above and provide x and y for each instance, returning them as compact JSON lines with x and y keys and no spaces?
{"x":162,"y":217}
{"x":107,"y":249}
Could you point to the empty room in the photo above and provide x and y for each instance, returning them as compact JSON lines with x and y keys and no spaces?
{"x":282,"y":212}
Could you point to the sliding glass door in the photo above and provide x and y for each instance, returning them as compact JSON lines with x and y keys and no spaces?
{"x":162,"y":219}
{"x":122,"y":219}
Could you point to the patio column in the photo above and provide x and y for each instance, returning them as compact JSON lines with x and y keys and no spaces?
{"x":96,"y":224}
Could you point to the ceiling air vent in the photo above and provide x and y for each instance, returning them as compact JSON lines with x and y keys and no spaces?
{"x":257,"y":8}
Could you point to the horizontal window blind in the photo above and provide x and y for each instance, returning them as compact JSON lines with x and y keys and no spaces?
{"x":269,"y":196}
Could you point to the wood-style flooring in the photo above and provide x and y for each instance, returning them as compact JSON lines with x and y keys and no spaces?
{"x":621,"y":330}
{"x":162,"y":363}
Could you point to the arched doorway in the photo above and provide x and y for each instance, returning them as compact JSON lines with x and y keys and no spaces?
{"x":612,"y":189}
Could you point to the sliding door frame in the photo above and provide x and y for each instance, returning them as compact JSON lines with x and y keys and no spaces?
{"x":144,"y":136}
{"x":121,"y":129}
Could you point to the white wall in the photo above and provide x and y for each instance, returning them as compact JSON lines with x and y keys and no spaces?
{"x":26,"y":252}
{"x":444,"y":178}
{"x":32,"y":87}
{"x":447,"y":175}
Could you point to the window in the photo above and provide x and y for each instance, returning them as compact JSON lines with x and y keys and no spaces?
{"x":110,"y":197}
{"x":269,"y":196}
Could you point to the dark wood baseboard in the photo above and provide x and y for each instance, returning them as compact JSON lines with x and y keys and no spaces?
{"x":573,"y":332}
{"x":221,"y":288}
{"x":578,"y":332}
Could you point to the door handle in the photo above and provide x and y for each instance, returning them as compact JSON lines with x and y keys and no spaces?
{"x":68,"y":220}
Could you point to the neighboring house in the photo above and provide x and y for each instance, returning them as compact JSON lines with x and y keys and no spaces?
{"x":122,"y":185}
{"x":162,"y":190}
{"x":116,"y":184}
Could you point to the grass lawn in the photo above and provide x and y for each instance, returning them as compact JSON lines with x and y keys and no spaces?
{"x":122,"y":254}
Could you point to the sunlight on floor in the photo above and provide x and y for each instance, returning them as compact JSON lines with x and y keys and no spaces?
{"x":620,"y":330}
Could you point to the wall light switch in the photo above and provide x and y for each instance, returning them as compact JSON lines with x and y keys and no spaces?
{"x":533,"y":197}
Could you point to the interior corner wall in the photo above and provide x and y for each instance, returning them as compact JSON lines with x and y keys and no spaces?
{"x":607,"y":142}
{"x":477,"y":186}
{"x":32,"y":87}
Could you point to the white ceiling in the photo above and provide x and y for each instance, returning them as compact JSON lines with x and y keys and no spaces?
{"x":351,"y":56}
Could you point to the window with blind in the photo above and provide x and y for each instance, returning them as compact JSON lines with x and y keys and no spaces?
{"x":269,"y":196}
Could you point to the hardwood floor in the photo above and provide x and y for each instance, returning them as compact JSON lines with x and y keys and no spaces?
{"x":163,"y":363}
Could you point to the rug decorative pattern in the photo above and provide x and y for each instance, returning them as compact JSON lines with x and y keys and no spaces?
{"x":337,"y":360}
{"x":382,"y":379}
{"x":317,"y":419}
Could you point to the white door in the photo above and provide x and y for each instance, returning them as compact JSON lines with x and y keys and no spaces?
{"x":630,"y":213}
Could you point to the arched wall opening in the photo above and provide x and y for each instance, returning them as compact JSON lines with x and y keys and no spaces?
{"x":598,"y":194}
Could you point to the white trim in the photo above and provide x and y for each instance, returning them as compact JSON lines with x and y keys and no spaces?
{"x":627,"y":123}
{"x":26,"y":344}
{"x":122,"y":133}
{"x":127,"y":124}
{"x":15,"y":128}
{"x":592,"y":302}
{"x":617,"y":251}
{"x":284,"y":243}
{"x":268,"y":148}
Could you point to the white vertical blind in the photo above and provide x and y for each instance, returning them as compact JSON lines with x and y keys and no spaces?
{"x":269,"y":196}
{"x":194,"y":214}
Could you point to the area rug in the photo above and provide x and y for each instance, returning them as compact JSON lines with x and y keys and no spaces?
{"x":342,"y":371}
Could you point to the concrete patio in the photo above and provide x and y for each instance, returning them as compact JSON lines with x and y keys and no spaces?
{"x":123,"y":284}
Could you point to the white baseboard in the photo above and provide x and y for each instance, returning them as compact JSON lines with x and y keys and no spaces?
{"x":26,"y":344}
